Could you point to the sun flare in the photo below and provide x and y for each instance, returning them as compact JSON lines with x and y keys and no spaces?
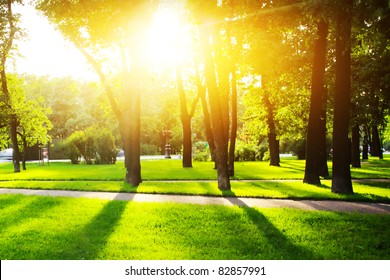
{"x":168,"y":43}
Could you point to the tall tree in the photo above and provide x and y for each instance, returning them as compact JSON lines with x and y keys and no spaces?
{"x":112,"y":25}
{"x":341,"y":180}
{"x":316,"y":135}
{"x":217,"y":110}
{"x":8,"y":31}
{"x":31,"y":116}
{"x":186,"y":118}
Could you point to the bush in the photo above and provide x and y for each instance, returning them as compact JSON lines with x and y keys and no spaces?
{"x":94,"y":145}
{"x":202,"y":152}
{"x":386,"y":145}
{"x":202,"y":156}
{"x":71,"y":151}
{"x":149,"y":149}
{"x":249,"y":152}
{"x":105,"y":147}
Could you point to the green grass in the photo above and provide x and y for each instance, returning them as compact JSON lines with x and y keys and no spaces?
{"x":172,"y":170}
{"x":378,"y":192}
{"x":65,"y":176}
{"x":74,"y":228}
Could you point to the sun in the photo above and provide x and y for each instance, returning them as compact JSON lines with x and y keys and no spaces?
{"x":169,"y":40}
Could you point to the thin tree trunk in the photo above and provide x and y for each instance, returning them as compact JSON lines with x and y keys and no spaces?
{"x":273,"y":142}
{"x":355,"y":151}
{"x":24,"y":152}
{"x":341,"y":181}
{"x":206,"y":119}
{"x":15,"y":144}
{"x":323,"y":170}
{"x":376,"y":147}
{"x":136,"y":141}
{"x":365,"y":143}
{"x":233,"y":131}
{"x":315,"y":135}
{"x":185,"y":120}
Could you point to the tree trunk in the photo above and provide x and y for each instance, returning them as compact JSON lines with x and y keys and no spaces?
{"x":273,"y":142}
{"x":316,"y":137}
{"x":7,"y":42}
{"x":365,"y":143}
{"x":355,"y":151}
{"x":15,"y":144}
{"x":323,"y":152}
{"x":233,"y":131}
{"x":24,"y":152}
{"x":341,"y":181}
{"x":185,"y":121}
{"x":187,"y":142}
{"x":217,"y":118}
{"x":207,"y":120}
{"x":273,"y":150}
{"x":376,"y":147}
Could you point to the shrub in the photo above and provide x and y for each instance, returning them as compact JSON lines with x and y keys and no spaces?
{"x":105,"y":147}
{"x":202,"y":152}
{"x":149,"y":149}
{"x":249,"y":152}
{"x":94,"y":145}
{"x":386,"y":145}
{"x":201,"y":156}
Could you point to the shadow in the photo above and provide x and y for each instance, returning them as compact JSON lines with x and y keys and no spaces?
{"x":75,"y":239}
{"x":277,"y":242}
{"x":223,"y":232}
{"x":25,"y":208}
{"x":126,"y":187}
{"x":91,"y":239}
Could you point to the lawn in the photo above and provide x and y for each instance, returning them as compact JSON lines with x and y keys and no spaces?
{"x":75,"y":228}
{"x":172,"y":170}
{"x":250,"y":179}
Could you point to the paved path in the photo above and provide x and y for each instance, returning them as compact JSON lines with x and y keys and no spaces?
{"x":327,"y":205}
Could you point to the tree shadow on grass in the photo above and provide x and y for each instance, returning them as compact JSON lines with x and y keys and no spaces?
{"x":71,"y":240}
{"x":87,"y":242}
{"x":26,"y":207}
{"x":276,"y":242}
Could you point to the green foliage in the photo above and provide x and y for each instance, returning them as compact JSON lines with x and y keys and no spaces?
{"x":249,"y":152}
{"x":30,"y":111}
{"x":202,"y":156}
{"x":105,"y":146}
{"x":202,"y":152}
{"x":94,"y":145}
{"x":149,"y":149}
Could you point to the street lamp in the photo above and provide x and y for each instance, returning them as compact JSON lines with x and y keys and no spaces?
{"x":167,"y":134}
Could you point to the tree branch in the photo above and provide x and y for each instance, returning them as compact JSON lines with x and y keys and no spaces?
{"x":103,"y":80}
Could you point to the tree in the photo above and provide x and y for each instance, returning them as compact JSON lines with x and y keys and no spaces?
{"x":8,"y":33}
{"x":370,"y":62}
{"x":186,"y":118}
{"x":111,"y":25}
{"x":316,"y":129}
{"x":217,"y":110}
{"x":31,"y":115}
{"x":341,"y":180}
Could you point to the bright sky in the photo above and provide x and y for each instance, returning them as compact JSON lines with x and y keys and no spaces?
{"x":45,"y":52}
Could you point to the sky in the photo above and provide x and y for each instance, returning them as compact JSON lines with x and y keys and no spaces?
{"x":44,"y":51}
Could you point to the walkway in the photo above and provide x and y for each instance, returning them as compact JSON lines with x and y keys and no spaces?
{"x":327,"y":205}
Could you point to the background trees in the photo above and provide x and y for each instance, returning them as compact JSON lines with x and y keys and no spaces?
{"x":249,"y":65}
